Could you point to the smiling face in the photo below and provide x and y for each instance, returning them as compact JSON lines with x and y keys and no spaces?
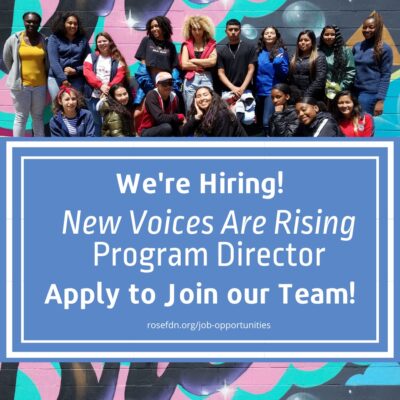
{"x":329,"y":37}
{"x":306,"y":113}
{"x":103,"y":44}
{"x":156,"y":30}
{"x":122,"y":96}
{"x":269,"y":37}
{"x":31,"y":23}
{"x":279,"y":98}
{"x":304,"y":44}
{"x":369,"y":28}
{"x":68,"y":102}
{"x":346,"y":106}
{"x":71,"y":26}
{"x":203,"y":98}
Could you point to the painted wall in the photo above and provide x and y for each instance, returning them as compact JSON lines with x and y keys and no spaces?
{"x":179,"y":381}
{"x":125,"y":20}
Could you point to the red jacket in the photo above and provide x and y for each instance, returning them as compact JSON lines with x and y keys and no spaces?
{"x":155,"y":113}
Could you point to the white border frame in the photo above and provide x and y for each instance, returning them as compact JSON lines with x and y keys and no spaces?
{"x":10,"y":353}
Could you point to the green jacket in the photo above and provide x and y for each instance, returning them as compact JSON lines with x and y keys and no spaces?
{"x":350,"y":70}
{"x":114,"y":124}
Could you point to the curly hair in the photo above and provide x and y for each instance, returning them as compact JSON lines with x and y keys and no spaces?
{"x":56,"y":106}
{"x":211,"y":115}
{"x":198,"y":21}
{"x":165,"y":25}
{"x":58,"y":27}
{"x":339,"y":63}
{"x":114,"y":105}
{"x":279,"y":44}
{"x":378,"y":41}
{"x":314,"y":52}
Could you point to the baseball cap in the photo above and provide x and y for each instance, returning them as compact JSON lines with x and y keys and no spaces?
{"x":163,"y":76}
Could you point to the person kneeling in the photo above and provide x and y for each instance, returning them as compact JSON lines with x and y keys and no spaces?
{"x":70,"y":119}
{"x":314,"y":121}
{"x":161,"y":116}
{"x":209,"y":116}
{"x":116,"y":110}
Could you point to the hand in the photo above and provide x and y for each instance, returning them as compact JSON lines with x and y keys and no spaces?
{"x":69,"y":71}
{"x":279,"y":108}
{"x":199,"y":112}
{"x":378,"y":110}
{"x":103,"y":96}
{"x":104,"y":89}
{"x":237,"y":91}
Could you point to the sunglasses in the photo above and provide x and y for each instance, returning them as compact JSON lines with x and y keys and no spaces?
{"x":166,"y":83}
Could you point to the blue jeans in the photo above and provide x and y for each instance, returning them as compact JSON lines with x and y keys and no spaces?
{"x":367,"y":102}
{"x":190,"y":86}
{"x":265,"y":109}
{"x":92,"y":103}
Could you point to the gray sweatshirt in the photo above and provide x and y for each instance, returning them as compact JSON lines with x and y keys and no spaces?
{"x":12,"y":61}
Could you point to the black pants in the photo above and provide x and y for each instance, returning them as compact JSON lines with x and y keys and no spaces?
{"x":164,"y":129}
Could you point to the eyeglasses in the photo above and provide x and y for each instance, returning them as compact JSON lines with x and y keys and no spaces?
{"x":166,"y":83}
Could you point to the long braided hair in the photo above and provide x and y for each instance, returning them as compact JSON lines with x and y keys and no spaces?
{"x":339,"y":63}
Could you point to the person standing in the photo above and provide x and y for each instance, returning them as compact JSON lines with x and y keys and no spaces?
{"x":68,"y":48}
{"x":272,"y":68}
{"x":373,"y":59}
{"x":102,"y":69}
{"x":198,"y":56}
{"x":25,"y":57}
{"x":340,"y":61}
{"x":156,"y":53}
{"x":236,"y":65}
{"x":308,"y":67}
{"x":236,"y":61}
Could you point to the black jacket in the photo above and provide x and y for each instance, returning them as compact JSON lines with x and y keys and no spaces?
{"x":310,"y":83}
{"x":224,"y":126}
{"x":284,"y":124}
{"x":324,"y":125}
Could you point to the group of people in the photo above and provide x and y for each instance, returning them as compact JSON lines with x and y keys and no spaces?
{"x":232,"y":89}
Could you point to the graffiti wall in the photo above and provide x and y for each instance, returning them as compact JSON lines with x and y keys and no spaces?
{"x":179,"y":381}
{"x":125,"y":21}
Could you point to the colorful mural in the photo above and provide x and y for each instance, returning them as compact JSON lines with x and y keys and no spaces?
{"x":125,"y":20}
{"x":179,"y":381}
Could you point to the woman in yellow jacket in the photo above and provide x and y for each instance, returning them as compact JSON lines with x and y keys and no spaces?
{"x":25,"y":57}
